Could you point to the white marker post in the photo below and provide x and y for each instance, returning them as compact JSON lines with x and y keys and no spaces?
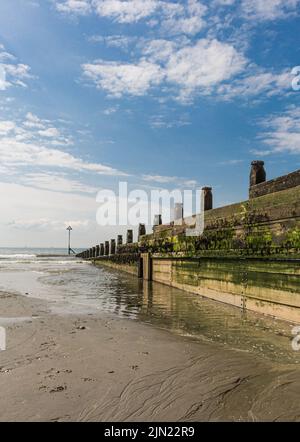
{"x":2,"y":339}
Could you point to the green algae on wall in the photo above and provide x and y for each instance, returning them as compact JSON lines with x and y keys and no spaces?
{"x":264,"y":226}
{"x":249,"y":234}
{"x":266,"y":286}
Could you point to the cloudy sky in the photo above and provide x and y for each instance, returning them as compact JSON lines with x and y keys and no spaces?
{"x":158,"y":93}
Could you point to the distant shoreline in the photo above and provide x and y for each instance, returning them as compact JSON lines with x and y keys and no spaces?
{"x":55,"y":256}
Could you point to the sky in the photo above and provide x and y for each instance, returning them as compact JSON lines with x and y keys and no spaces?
{"x":161,"y":94}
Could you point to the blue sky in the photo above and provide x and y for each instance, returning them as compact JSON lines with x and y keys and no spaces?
{"x":159,"y":93}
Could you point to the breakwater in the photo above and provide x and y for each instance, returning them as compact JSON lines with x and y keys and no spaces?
{"x":248,"y":254}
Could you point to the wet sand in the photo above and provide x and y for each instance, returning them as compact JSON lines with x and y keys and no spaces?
{"x":95,"y":367}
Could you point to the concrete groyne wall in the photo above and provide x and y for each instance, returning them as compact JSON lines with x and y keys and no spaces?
{"x":248,"y":254}
{"x":282,"y":183}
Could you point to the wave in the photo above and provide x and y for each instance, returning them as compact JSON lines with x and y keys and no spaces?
{"x":18,"y":256}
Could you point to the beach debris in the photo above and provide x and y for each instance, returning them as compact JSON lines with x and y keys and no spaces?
{"x":58,"y":389}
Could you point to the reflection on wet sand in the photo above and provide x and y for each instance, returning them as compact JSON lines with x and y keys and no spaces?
{"x":79,"y":286}
{"x":91,"y":339}
{"x":202,"y":319}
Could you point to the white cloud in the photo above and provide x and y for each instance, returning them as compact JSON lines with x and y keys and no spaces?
{"x":6,"y":127}
{"x":122,"y":11}
{"x":192,"y":69}
{"x":282,"y":132}
{"x":224,"y":2}
{"x":44,"y":224}
{"x":3,"y":84}
{"x":169,"y":180}
{"x":260,"y":82}
{"x":51,"y":132}
{"x":268,"y":9}
{"x":184,"y":19}
{"x":129,"y":11}
{"x":23,"y":153}
{"x":122,"y":78}
{"x":203,"y":66}
{"x":38,"y":218}
{"x":164,"y":121}
{"x":30,"y":224}
{"x":45,"y":188}
{"x":78,"y":7}
{"x":111,"y":110}
{"x":78,"y":224}
{"x":34,"y":224}
{"x":4,"y":56}
{"x":185,"y":70}
{"x":173,"y":17}
{"x":188,"y":17}
{"x":160,"y":50}
{"x":12,"y":73}
{"x":56,"y":183}
{"x":32,"y":121}
{"x":18,"y":71}
{"x":116,"y":41}
{"x":23,"y":147}
{"x":230,"y":162}
{"x":46,"y":131}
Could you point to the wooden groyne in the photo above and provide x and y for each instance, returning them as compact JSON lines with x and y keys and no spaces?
{"x":248,"y":254}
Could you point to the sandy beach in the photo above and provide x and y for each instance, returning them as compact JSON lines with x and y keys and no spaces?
{"x":94,"y":367}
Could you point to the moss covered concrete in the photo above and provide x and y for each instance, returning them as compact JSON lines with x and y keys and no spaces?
{"x":265,"y":226}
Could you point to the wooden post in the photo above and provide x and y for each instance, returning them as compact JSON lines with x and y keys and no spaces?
{"x":147,"y":266}
{"x":119,"y":242}
{"x":129,"y":236}
{"x":142,"y":231}
{"x":258,"y":174}
{"x":207,"y":199}
{"x":157,"y":220}
{"x":112,"y":246}
{"x":102,"y":249}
